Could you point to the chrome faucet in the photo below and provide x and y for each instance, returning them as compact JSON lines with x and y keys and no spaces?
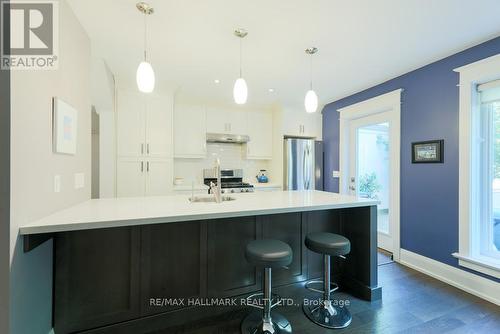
{"x":216,"y":189}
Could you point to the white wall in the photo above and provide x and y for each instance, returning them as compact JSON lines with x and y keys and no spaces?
{"x":103,"y":99}
{"x":4,"y":197}
{"x":34,"y":165}
{"x":107,"y":154}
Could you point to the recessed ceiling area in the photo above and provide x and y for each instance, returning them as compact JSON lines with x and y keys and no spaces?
{"x":361,"y":43}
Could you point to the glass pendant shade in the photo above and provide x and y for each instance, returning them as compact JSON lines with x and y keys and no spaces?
{"x":240,"y":91}
{"x":145,"y":77}
{"x":311,"y":101}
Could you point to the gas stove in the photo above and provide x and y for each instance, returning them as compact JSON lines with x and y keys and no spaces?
{"x":231,"y":181}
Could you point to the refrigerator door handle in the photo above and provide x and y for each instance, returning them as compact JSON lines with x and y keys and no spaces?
{"x":307,"y":178}
{"x":304,"y":168}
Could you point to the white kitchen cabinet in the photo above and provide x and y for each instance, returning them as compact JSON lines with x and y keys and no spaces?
{"x":144,"y":144}
{"x":159,"y":177}
{"x":137,"y":177}
{"x":130,"y":127}
{"x":159,"y":127}
{"x":260,"y":131}
{"x":302,"y":124}
{"x":190,"y":127}
{"x":130,"y":177}
{"x":226,"y":121}
{"x":144,"y":125}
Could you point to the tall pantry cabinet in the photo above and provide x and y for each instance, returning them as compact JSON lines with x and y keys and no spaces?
{"x":144,"y":144}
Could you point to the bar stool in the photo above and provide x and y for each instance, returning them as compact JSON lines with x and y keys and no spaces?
{"x":267,"y":254}
{"x":325,"y":314}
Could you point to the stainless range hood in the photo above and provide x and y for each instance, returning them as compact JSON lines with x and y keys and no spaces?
{"x":225,"y":138}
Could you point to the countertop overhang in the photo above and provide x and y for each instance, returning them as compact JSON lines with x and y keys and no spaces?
{"x":120,"y":212}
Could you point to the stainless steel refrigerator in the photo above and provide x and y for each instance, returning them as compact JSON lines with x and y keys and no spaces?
{"x":303,"y":164}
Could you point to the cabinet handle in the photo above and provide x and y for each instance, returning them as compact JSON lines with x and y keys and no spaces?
{"x":142,"y":166}
{"x":147,"y":166}
{"x":147,"y":148}
{"x":142,"y":148}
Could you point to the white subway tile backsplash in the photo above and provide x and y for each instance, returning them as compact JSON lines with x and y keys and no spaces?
{"x":230,"y":155}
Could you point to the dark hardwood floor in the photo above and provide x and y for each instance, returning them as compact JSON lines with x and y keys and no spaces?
{"x":412,"y":303}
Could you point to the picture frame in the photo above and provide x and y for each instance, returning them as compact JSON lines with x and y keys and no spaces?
{"x":431,"y":151}
{"x":65,"y":126}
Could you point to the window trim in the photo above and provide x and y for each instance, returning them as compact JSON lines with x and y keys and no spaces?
{"x":471,"y":76}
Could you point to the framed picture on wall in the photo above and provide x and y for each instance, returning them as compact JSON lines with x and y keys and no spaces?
{"x":431,"y":151}
{"x":65,"y":119}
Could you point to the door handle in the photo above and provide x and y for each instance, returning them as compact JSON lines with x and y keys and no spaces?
{"x":142,"y":166}
{"x":147,"y":148}
{"x":147,"y":166}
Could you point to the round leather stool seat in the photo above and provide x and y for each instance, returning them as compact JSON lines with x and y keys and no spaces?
{"x":328,"y":243}
{"x":269,"y":253}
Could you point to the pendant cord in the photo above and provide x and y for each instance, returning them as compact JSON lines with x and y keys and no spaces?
{"x":310,"y":73}
{"x":241,"y":42}
{"x":145,"y":37}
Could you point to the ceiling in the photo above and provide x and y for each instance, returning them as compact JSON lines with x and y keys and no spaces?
{"x":361,"y":42}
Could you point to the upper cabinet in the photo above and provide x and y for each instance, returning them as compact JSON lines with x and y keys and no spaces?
{"x":144,"y":126}
{"x":260,"y":131}
{"x":229,"y":122}
{"x":302,"y":124}
{"x":190,"y":127}
{"x":159,"y":115}
{"x":131,"y":134}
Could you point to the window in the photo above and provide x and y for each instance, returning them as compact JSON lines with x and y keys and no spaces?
{"x":479,"y":170}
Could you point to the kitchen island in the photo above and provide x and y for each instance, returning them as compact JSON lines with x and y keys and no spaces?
{"x":113,"y":257}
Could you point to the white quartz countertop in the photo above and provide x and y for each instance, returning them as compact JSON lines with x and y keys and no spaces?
{"x":117,"y":212}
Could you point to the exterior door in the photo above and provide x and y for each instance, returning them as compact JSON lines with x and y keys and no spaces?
{"x":371,"y":169}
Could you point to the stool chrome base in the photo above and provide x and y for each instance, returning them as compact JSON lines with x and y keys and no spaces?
{"x":254,"y":324}
{"x":327,"y":315}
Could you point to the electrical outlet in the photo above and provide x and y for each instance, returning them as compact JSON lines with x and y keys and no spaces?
{"x":335,"y":174}
{"x":79,"y":180}
{"x":57,"y":183}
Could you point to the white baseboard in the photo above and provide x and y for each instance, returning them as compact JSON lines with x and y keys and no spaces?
{"x":461,"y":279}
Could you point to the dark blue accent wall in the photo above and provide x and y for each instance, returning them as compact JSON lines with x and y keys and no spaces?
{"x":429,"y":110}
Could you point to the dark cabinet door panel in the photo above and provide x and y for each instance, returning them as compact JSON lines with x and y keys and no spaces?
{"x":228,"y":271}
{"x":96,"y":279}
{"x":171,"y":265}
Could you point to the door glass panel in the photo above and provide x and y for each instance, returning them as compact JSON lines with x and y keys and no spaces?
{"x":489,"y":173}
{"x":373,"y":168}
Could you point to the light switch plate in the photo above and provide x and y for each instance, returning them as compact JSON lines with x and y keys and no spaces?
{"x":335,"y":174}
{"x":57,"y":183}
{"x":79,"y":180}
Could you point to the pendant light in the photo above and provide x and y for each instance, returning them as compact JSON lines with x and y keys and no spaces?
{"x":145,"y":75}
{"x":311,"y":100}
{"x":240,"y":90}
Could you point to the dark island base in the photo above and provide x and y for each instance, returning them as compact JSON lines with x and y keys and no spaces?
{"x":105,"y":279}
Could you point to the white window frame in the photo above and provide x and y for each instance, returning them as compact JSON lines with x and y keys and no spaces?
{"x":469,"y":253}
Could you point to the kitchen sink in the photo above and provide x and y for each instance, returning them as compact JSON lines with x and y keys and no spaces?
{"x":209,"y":199}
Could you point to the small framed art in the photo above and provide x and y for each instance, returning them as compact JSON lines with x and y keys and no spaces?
{"x":431,"y":151}
{"x":65,"y":127}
